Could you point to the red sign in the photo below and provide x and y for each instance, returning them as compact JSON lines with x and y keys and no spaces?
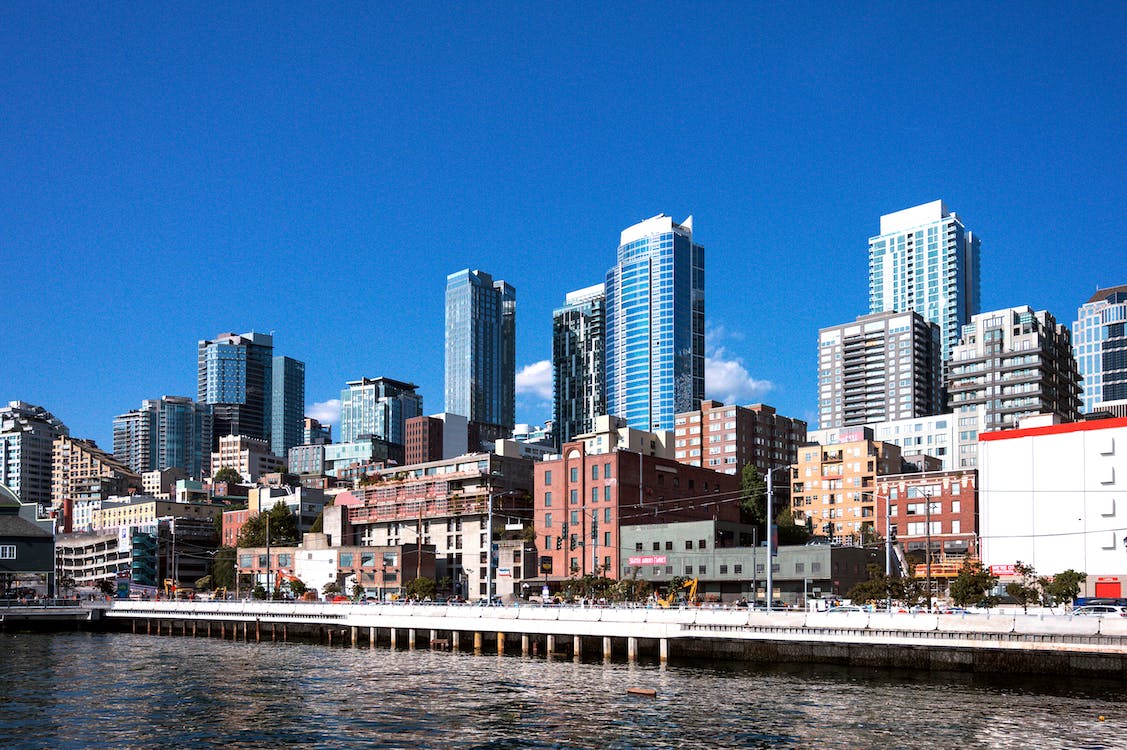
{"x":648,"y":560}
{"x":1003,"y":570}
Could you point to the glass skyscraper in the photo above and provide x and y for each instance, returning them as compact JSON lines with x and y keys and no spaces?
{"x":173,"y":431}
{"x":578,"y":362}
{"x":287,"y":421}
{"x":481,"y":348}
{"x":655,"y":324}
{"x":236,"y":376}
{"x":924,"y":260}
{"x":1099,"y":341}
{"x":380,"y":407}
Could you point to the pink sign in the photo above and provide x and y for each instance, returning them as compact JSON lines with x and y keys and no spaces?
{"x":648,"y":560}
{"x":1003,"y":570}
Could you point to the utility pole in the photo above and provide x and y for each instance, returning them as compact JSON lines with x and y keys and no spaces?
{"x":489,"y":551}
{"x":888,"y":547}
{"x":267,"y":517}
{"x":927,"y":551}
{"x":594,"y":542}
{"x":770,"y":540}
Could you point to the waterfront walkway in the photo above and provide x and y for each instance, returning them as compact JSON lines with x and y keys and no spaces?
{"x":974,"y":642}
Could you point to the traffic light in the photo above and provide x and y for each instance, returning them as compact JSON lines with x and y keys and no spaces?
{"x":892,"y":534}
{"x":827,"y":528}
{"x":559,"y":542}
{"x":594,"y":530}
{"x":572,"y":541}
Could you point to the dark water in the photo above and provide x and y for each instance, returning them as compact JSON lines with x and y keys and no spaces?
{"x":80,"y":690}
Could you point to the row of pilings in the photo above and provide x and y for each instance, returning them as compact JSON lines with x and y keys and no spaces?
{"x":477,"y":642}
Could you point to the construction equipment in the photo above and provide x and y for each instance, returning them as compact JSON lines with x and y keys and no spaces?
{"x":675,"y":589}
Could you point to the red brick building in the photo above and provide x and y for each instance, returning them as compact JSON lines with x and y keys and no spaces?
{"x":581,"y":499}
{"x":726,"y":438}
{"x":952,"y":515}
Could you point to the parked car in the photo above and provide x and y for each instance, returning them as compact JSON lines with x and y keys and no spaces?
{"x":1100,"y":610}
{"x":847,"y":608}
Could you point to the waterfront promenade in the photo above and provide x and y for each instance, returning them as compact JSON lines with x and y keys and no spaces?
{"x":987,"y":642}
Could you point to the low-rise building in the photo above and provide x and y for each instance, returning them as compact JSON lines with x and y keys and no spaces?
{"x":27,"y":550}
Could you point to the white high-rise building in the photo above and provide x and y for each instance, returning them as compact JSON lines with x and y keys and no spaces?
{"x":926,"y":261}
{"x":1099,"y":341}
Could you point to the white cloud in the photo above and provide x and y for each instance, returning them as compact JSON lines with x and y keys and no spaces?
{"x":325,"y":412}
{"x":536,"y":379}
{"x":726,"y":379}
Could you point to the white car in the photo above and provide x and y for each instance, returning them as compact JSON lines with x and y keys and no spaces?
{"x":1100,"y":610}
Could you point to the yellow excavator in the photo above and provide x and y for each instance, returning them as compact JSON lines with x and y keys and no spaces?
{"x":691,"y":597}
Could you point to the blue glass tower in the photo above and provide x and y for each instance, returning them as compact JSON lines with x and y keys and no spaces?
{"x":287,"y":421}
{"x":236,"y":377}
{"x":481,"y":348}
{"x":655,"y":324}
{"x":1099,"y":342}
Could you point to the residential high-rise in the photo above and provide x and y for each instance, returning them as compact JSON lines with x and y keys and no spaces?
{"x":27,"y":433}
{"x":287,"y":421}
{"x":881,"y":367}
{"x":80,"y":470}
{"x":315,"y":433}
{"x":925,"y":260}
{"x":655,"y":324}
{"x":727,"y":438}
{"x":236,"y":377}
{"x":378,"y":406}
{"x":1010,"y":364}
{"x":1099,"y":340}
{"x":172,"y":431}
{"x":481,"y":348}
{"x":578,"y":360}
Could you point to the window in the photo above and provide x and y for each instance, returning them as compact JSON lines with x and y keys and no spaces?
{"x":657,"y":546}
{"x":606,"y":471}
{"x":702,"y":544}
{"x":548,"y":476}
{"x":548,"y":520}
{"x":688,"y":570}
{"x":723,"y":570}
{"x":637,"y":546}
{"x":594,"y":494}
{"x":688,"y":544}
{"x":594,"y":471}
{"x":606,"y":493}
{"x":574,"y":473}
{"x":668,"y":546}
{"x":547,"y":499}
{"x":737,"y":569}
{"x":367,"y":559}
{"x":575,"y":497}
{"x":7,"y":552}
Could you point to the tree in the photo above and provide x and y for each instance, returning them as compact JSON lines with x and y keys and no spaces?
{"x":878,"y":588}
{"x":790,"y":532}
{"x":228,"y":475}
{"x":1027,"y":589}
{"x":66,"y":583}
{"x":283,"y":528}
{"x":753,"y":499}
{"x":107,"y":587}
{"x":330,"y":588}
{"x":357,"y":590}
{"x":1064,"y":587}
{"x":223,"y":568}
{"x":912,"y":590}
{"x":420,"y":589}
{"x":972,"y":586}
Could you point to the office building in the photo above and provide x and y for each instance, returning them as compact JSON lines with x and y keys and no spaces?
{"x":1099,"y":341}
{"x":1010,"y":364}
{"x":935,"y":436}
{"x":379,"y":407}
{"x":481,"y":348}
{"x":881,"y":367}
{"x":315,"y":433}
{"x":27,"y":434}
{"x":655,"y":324}
{"x":249,"y":456}
{"x":578,"y":362}
{"x":287,"y":421}
{"x":436,"y":437}
{"x":236,"y":377}
{"x":727,"y":438}
{"x":170,"y":432}
{"x":926,"y":261}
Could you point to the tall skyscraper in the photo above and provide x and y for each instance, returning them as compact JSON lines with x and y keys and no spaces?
{"x":378,"y":406}
{"x":655,"y":324}
{"x":170,"y":432}
{"x":287,"y":421}
{"x":1010,"y":364}
{"x":481,"y":348}
{"x":236,"y":377}
{"x":1099,"y":340}
{"x":881,"y":367}
{"x":27,"y":433}
{"x":578,"y":362}
{"x":926,"y":261}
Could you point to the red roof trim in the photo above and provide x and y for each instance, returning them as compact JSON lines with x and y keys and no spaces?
{"x":1056,"y":429}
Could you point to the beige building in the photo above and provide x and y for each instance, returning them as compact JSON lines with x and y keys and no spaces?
{"x":162,"y":483}
{"x":726,"y":438}
{"x":80,"y":470}
{"x":834,"y":487}
{"x":144,"y":511}
{"x":611,"y":434}
{"x":249,"y":456}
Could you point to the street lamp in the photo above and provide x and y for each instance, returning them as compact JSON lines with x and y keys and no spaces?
{"x":771,"y":535}
{"x":927,"y":551}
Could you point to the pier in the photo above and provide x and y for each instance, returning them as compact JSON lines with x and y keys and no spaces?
{"x":987,"y":642}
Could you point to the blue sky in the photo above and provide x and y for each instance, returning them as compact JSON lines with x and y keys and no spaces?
{"x":172,"y":171}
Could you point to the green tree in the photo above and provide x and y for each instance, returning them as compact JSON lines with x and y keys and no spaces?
{"x":790,"y":532}
{"x":357,"y":590}
{"x":1027,"y":588}
{"x":912,"y":590}
{"x":972,"y":586}
{"x":420,"y":589}
{"x":331,"y":588}
{"x":227,"y":474}
{"x":66,"y":583}
{"x":1064,"y":587}
{"x":223,"y":568}
{"x":107,"y":587}
{"x":283,"y":528}
{"x":753,"y":499}
{"x":878,"y":588}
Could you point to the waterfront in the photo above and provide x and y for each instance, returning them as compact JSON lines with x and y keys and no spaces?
{"x":80,"y":690}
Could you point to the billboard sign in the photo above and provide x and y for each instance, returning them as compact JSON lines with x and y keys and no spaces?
{"x":647,"y":560}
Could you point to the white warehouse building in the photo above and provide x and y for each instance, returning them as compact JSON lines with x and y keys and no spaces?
{"x":1054,"y":496}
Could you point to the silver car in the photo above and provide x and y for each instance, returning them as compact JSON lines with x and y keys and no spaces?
{"x":1100,"y":610}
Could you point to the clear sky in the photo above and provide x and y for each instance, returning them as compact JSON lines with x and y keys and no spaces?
{"x":171,"y":171}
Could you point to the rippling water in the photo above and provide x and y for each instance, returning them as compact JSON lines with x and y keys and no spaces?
{"x":79,"y":690}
